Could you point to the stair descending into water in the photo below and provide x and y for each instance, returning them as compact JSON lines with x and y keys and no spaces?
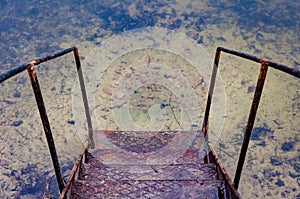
{"x":186,"y":177}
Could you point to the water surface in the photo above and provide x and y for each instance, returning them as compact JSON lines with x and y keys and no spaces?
{"x":270,"y":29}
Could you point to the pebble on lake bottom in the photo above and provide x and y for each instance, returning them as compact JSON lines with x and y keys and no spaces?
{"x":17,"y":123}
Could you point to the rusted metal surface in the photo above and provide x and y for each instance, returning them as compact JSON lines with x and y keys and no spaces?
{"x":205,"y":125}
{"x":187,"y":179}
{"x":232,"y":191}
{"x":210,"y":93}
{"x":76,"y":168}
{"x":159,"y":147}
{"x":43,"y":114}
{"x":289,"y":70}
{"x":188,"y":176}
{"x":250,"y":123}
{"x":23,"y":67}
{"x":133,"y":142}
{"x":84,"y":98}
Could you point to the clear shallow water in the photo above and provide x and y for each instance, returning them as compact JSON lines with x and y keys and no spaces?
{"x":33,"y":29}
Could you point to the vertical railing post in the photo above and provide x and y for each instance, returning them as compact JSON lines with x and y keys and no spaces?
{"x":210,"y":92}
{"x":84,"y":98}
{"x":205,"y":124}
{"x":40,"y":103}
{"x":250,"y":123}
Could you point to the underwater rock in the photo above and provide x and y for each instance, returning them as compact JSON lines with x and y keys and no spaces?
{"x":261,"y":24}
{"x":200,"y":40}
{"x":260,"y":37}
{"x":251,"y":89}
{"x":279,"y":183}
{"x":177,"y":23}
{"x":17,"y":123}
{"x":115,"y":82}
{"x":275,"y":161}
{"x":237,"y":139}
{"x":143,"y":81}
{"x":296,"y":167}
{"x":170,"y":74}
{"x":144,"y":95}
{"x":255,"y":176}
{"x":295,"y":163}
{"x":128,"y":75}
{"x":107,"y":91}
{"x":261,"y":132}
{"x":9,"y":102}
{"x":278,"y":122}
{"x":162,"y":106}
{"x":221,"y":39}
{"x":17,"y":94}
{"x":268,"y":174}
{"x":120,"y":95}
{"x":287,"y":146}
{"x":71,"y":122}
{"x":167,"y":76}
{"x":262,"y":143}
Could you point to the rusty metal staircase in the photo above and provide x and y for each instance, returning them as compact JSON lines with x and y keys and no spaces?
{"x":190,"y":179}
{"x":198,"y":173}
{"x":189,"y":176}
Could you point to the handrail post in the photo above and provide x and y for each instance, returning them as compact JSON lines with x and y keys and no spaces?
{"x":41,"y":106}
{"x":250,"y":123}
{"x":205,"y":124}
{"x":211,"y":91}
{"x":84,"y":98}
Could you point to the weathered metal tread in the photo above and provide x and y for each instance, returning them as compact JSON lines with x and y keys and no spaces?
{"x":155,"y":189}
{"x":148,"y":141}
{"x":187,"y":178}
{"x":112,"y":156}
{"x":149,"y":172}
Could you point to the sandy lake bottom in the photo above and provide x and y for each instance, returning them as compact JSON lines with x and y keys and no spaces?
{"x":30,"y":30}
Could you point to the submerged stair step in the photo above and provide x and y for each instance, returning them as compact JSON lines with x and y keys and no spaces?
{"x":149,"y":172}
{"x":113,"y":156}
{"x":181,"y":189}
{"x":189,"y":177}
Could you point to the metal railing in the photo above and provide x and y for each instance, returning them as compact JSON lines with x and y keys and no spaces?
{"x":66,"y":193}
{"x":64,"y":189}
{"x":255,"y":102}
{"x":30,"y":67}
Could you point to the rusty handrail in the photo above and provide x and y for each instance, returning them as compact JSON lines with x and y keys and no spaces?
{"x":255,"y":102}
{"x":223,"y":171}
{"x":74,"y":171}
{"x":43,"y":114}
{"x":23,"y":67}
{"x":30,"y":67}
{"x":251,"y":120}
